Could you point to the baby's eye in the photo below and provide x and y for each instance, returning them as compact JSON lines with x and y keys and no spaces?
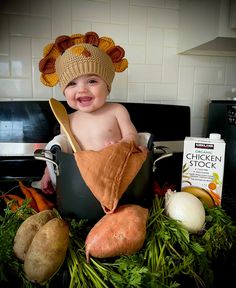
{"x":72,"y":83}
{"x":92,"y":81}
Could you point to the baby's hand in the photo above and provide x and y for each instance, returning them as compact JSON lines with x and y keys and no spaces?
{"x":46,"y":184}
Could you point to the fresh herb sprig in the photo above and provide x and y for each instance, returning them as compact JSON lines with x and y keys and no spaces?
{"x":170,"y":255}
{"x":10,"y":221}
{"x":219,"y":234}
{"x":168,"y":250}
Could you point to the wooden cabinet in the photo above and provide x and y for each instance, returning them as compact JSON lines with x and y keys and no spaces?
{"x":207,"y":27}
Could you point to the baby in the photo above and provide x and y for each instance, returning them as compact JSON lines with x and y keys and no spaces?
{"x":85,"y":66}
{"x":96,"y":124}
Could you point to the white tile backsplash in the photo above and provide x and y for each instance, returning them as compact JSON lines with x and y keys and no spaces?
{"x":135,"y":54}
{"x":15,"y":88}
{"x":120,"y":33}
{"x":170,"y":73}
{"x":40,"y":91}
{"x":173,"y":4}
{"x":171,"y":37}
{"x":95,"y":11}
{"x":120,"y":11}
{"x":4,"y":35}
{"x":57,"y":93}
{"x":210,"y":75}
{"x":148,"y":31}
{"x":198,"y":126}
{"x":119,"y":87}
{"x":137,"y":12}
{"x":155,"y":47}
{"x":16,"y":7}
{"x":186,"y":83}
{"x":161,"y":91}
{"x":144,"y":73}
{"x":40,"y":8}
{"x":29,"y":26}
{"x":165,"y":18}
{"x":61,"y":28}
{"x":170,"y":56}
{"x":200,"y":100}
{"x":21,"y":59}
{"x":4,"y":66}
{"x":137,"y":34}
{"x":230,"y":77}
{"x":81,"y":26}
{"x":148,"y":3}
{"x":219,"y":92}
{"x":61,"y":10}
{"x":38,"y":45}
{"x":136,"y":92}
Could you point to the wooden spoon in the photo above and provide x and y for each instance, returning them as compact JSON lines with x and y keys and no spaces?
{"x":61,"y":115}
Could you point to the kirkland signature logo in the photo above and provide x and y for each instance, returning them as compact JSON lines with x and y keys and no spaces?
{"x":204,"y":146}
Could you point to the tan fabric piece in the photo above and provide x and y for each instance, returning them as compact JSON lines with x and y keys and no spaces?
{"x":109,"y":172}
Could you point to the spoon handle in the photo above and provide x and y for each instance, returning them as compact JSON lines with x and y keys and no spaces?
{"x":74,"y":144}
{"x":61,"y":115}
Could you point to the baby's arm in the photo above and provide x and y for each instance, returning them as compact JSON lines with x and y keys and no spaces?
{"x":127,"y":128}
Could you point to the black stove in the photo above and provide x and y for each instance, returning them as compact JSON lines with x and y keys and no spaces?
{"x":28,"y":125}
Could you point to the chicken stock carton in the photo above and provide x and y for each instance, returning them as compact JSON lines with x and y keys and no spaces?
{"x":203,"y":168}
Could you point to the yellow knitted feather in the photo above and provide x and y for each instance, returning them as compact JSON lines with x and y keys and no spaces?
{"x":105,"y":43}
{"x":49,"y":79}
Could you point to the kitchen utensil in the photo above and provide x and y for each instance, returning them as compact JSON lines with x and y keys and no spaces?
{"x":74,"y":198}
{"x":61,"y":115}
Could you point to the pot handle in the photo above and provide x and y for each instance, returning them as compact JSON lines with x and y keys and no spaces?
{"x":46,"y":155}
{"x":164,"y":153}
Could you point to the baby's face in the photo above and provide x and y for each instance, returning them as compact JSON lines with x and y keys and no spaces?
{"x":86,"y":93}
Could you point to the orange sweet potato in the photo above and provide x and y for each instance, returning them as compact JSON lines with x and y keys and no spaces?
{"x":120,"y":233}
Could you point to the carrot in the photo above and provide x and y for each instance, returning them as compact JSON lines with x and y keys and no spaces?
{"x":41,"y":203}
{"x":49,"y":203}
{"x":14,"y":205}
{"x":28,"y":195}
{"x":215,"y":197}
{"x":39,"y":199}
{"x":17,"y":198}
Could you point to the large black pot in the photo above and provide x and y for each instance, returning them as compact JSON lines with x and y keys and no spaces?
{"x":74,"y":198}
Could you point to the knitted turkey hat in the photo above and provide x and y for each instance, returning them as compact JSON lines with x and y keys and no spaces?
{"x":72,"y":56}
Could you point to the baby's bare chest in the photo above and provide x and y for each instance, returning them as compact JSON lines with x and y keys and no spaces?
{"x":94,"y":126}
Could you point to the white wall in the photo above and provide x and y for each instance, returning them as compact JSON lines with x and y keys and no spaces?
{"x":147,"y":29}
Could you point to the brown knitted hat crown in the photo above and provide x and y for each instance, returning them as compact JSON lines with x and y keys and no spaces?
{"x":84,"y":59}
{"x":73,"y":56}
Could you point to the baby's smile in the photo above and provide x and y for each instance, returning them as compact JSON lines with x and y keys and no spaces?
{"x":85,"y":101}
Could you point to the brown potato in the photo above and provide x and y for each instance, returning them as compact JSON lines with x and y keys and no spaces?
{"x":47,"y":251}
{"x":122,"y":232}
{"x":27,"y":231}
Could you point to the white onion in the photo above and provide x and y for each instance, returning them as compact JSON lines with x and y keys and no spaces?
{"x":186,"y":208}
